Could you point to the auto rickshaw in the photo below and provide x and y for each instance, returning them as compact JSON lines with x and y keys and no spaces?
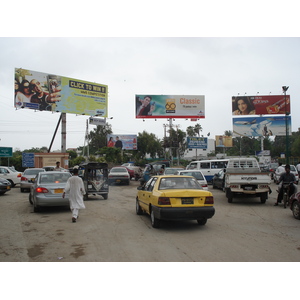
{"x":95,"y":178}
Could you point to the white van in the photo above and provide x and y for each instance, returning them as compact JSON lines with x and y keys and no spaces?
{"x":208,"y":167}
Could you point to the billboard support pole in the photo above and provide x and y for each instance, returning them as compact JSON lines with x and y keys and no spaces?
{"x":54,"y":133}
{"x":63,"y":132}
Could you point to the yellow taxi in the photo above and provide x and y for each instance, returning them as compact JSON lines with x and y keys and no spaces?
{"x":174,"y":197}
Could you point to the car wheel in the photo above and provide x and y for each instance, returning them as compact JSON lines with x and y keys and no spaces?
{"x":30,"y":200}
{"x":213,"y":184}
{"x":36,"y":208}
{"x":296,"y":210}
{"x":263,"y":197}
{"x":11,"y":182}
{"x":105,"y":196}
{"x":154,"y":221}
{"x":229,"y":195}
{"x":138,"y":209}
{"x":202,"y":221}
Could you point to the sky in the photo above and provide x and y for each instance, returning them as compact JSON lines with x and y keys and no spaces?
{"x":217,"y":67}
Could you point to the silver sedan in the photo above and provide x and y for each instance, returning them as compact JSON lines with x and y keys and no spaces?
{"x":48,"y":188}
{"x":28,"y":178}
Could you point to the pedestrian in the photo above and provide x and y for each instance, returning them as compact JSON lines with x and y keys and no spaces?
{"x":57,"y":167}
{"x":298,"y":168}
{"x":76,"y":190}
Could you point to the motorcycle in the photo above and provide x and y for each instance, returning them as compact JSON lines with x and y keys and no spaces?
{"x":286,"y":186}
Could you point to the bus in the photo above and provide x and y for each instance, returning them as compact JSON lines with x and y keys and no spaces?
{"x":208,"y":167}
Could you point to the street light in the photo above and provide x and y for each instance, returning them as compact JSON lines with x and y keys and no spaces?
{"x":285,"y":88}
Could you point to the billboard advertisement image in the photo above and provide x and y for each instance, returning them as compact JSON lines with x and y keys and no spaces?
{"x":167,"y":106}
{"x":48,"y":92}
{"x":260,"y":105}
{"x":196,"y":142}
{"x":223,"y":141}
{"x":260,"y":126}
{"x":122,"y":141}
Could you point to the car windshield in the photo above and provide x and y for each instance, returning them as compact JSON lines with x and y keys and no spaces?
{"x":33,"y":172}
{"x":54,"y":178}
{"x":118,"y":170}
{"x":179,"y":183}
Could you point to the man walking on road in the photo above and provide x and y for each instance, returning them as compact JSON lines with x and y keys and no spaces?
{"x":76,"y":190}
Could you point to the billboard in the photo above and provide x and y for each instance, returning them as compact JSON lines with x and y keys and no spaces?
{"x":169,"y":106}
{"x":122,"y":141}
{"x":261,"y":126}
{"x":261,"y":105}
{"x":6,"y":152}
{"x":223,"y":141}
{"x":195,"y":142}
{"x":48,"y":92}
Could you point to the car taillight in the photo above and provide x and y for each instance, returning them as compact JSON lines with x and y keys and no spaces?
{"x":23,"y":178}
{"x":164,"y":201}
{"x":235,"y":186}
{"x":41,"y":190}
{"x":209,"y":200}
{"x":204,"y":185}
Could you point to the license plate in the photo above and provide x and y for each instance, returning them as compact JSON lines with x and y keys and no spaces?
{"x":187,"y":200}
{"x":58,"y":191}
{"x":118,"y":180}
{"x":32,"y":179}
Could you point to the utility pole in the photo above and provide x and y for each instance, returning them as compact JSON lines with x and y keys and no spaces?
{"x":287,"y":155}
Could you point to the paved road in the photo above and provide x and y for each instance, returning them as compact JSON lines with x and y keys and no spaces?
{"x":110,"y":231}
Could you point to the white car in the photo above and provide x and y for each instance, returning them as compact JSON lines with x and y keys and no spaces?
{"x":118,"y":175}
{"x":293,"y":170}
{"x":10,"y":174}
{"x":28,"y":178}
{"x":196,"y":174}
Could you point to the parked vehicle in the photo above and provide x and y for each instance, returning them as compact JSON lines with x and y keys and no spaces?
{"x":28,"y":178}
{"x":5,"y":186}
{"x":196,"y":174}
{"x":131,"y":172}
{"x":294,"y":203}
{"x":51,"y":168}
{"x":271,"y":168}
{"x":134,"y":171}
{"x":95,"y":179}
{"x":243,"y":178}
{"x":218,"y":180}
{"x":118,"y":175}
{"x":172,"y":171}
{"x":10,"y":174}
{"x":208,"y":167}
{"x":174,"y":197}
{"x":48,"y":188}
{"x":293,"y":170}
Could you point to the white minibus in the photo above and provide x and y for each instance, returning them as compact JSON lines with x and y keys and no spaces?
{"x":208,"y":167}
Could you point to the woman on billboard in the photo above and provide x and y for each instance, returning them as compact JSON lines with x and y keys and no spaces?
{"x":242,"y":106}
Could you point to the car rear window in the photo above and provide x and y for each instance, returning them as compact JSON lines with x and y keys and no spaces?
{"x":119,"y":170}
{"x":54,"y":178}
{"x":179,"y":183}
{"x":33,"y":172}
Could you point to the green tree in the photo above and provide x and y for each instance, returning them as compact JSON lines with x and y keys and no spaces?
{"x":97,"y":138}
{"x":148,"y":143}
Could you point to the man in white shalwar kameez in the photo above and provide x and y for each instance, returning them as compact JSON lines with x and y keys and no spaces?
{"x":76,"y":190}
